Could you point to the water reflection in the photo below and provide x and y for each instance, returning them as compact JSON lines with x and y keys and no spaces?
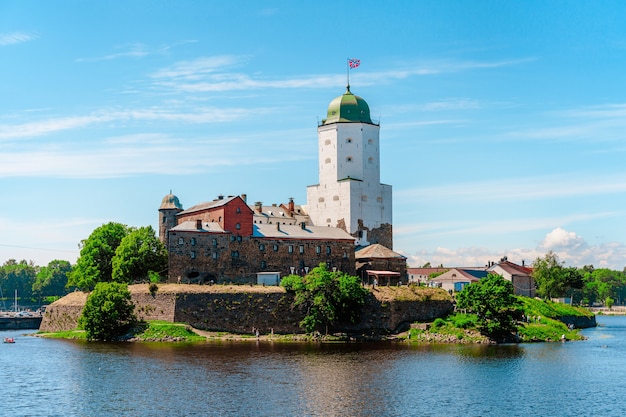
{"x":66,"y":378}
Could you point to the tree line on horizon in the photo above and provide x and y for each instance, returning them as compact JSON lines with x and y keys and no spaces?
{"x":113,"y":252}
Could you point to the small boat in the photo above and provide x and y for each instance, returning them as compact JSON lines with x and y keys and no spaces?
{"x":8,"y":340}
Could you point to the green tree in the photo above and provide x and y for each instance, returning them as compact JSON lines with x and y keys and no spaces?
{"x":327,"y":298}
{"x":108,"y":313}
{"x":95,"y":262}
{"x":549,"y":276}
{"x":492,"y":299}
{"x":51,"y":280}
{"x":18,"y":276}
{"x":139,"y":255}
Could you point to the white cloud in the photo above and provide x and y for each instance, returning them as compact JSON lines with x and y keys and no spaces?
{"x":526,"y":188}
{"x":570,"y":248}
{"x":561,"y":239}
{"x":212,"y":74}
{"x":197,"y":115}
{"x":15,"y":38}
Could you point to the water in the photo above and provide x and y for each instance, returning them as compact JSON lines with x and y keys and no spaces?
{"x":43,"y":377}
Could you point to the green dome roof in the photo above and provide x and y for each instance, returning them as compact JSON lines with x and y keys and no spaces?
{"x":348,"y":108}
{"x":170,"y":201}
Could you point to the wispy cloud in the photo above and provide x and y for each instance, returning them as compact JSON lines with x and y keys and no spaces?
{"x":486,"y":227}
{"x":16,"y":37}
{"x":451,"y":104}
{"x":217,"y":74}
{"x":527,"y":188}
{"x":605,"y":122}
{"x":150,"y":153}
{"x":135,"y":50}
{"x":52,"y":125}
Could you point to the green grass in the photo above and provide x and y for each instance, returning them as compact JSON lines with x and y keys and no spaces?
{"x":533,"y":307}
{"x":149,"y":331}
{"x":161,"y":330}
{"x":463,"y":326}
{"x":70,"y":334}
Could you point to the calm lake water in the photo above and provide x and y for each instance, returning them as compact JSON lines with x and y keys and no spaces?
{"x":43,"y":377}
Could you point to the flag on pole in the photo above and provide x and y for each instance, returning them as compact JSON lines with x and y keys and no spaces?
{"x":353,"y":63}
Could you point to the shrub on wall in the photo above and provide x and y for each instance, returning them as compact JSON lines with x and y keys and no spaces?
{"x":326,"y":297}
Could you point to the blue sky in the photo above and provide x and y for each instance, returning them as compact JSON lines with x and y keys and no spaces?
{"x":503,"y":124}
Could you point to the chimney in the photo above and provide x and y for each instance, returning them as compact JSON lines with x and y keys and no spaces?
{"x":199,"y":224}
{"x":523,"y":262}
{"x":291,"y":206}
{"x":258,"y":206}
{"x":303,"y":225}
{"x":278,"y":226}
{"x":220,"y":197}
{"x":244,"y":197}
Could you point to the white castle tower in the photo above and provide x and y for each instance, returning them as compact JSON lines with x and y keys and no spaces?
{"x":349,"y":194}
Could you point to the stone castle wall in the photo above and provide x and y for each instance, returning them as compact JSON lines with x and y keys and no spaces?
{"x":233,"y":309}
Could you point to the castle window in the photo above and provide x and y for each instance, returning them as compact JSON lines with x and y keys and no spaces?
{"x":215,"y":242}
{"x":349,"y":140}
{"x":238,"y":210}
{"x":363,"y":198}
{"x":275,"y":247}
{"x":328,"y":220}
{"x":238,"y":238}
{"x":327,"y":142}
{"x":321,"y":199}
{"x":193,"y":254}
{"x":261,"y":247}
{"x":318,"y":249}
{"x":238,"y":226}
{"x":164,"y":220}
{"x":327,"y":161}
{"x":301,"y":248}
{"x":290,"y":248}
{"x":327,"y":250}
{"x":370,"y":160}
{"x":370,"y":141}
{"x":263,"y":265}
{"x":215,"y":255}
{"x":193,"y":241}
{"x":335,"y":198}
{"x":348,"y":159}
{"x":234,"y":254}
{"x":181,"y":241}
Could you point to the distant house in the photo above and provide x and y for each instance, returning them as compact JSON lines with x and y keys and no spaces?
{"x":421,"y":275}
{"x":455,"y":279}
{"x":519,"y":275}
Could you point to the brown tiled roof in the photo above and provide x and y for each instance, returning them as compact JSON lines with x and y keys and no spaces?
{"x":377,"y":251}
{"x":515,"y":269}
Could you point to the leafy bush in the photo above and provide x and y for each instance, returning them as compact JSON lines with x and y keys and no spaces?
{"x":464,"y":321}
{"x":495,"y":305}
{"x":438,"y":324}
{"x":108,"y":312}
{"x":327,"y":297}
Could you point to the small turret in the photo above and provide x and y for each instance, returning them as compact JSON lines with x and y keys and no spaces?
{"x":170,"y":207}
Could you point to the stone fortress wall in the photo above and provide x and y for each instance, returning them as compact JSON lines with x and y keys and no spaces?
{"x":239,"y":309}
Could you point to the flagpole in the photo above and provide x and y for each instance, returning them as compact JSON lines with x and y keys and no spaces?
{"x":348,"y":72}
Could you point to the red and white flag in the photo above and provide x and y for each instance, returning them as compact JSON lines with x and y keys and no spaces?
{"x":353,"y":62}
